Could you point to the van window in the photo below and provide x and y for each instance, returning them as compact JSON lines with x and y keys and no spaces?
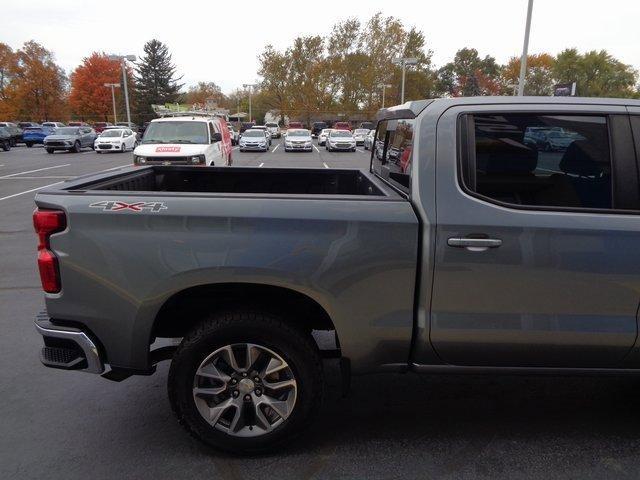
{"x":540,"y":160}
{"x":392,"y":152}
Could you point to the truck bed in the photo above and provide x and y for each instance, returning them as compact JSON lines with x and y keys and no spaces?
{"x":238,"y":180}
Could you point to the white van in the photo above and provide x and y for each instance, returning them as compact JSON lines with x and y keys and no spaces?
{"x":185,"y":140}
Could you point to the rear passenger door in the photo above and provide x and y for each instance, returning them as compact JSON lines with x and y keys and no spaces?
{"x":537,"y":245}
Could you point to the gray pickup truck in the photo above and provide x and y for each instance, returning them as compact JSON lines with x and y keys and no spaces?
{"x":491,"y":235}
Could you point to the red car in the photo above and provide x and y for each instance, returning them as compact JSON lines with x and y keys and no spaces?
{"x":342,"y":126}
{"x":100,"y":126}
{"x":293,"y":125}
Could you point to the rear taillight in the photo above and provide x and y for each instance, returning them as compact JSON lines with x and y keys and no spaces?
{"x":47,"y":222}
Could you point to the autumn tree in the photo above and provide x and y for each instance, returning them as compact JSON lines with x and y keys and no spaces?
{"x":8,"y":70}
{"x":597,"y":73}
{"x":469,"y":75}
{"x":539,"y":80}
{"x":204,"y":93}
{"x":38,"y":87}
{"x":156,"y":78}
{"x":89,"y":98}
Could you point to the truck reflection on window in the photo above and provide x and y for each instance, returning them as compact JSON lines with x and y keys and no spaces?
{"x":393,"y":152}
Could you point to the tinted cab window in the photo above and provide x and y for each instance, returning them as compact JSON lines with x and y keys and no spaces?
{"x":392,"y":152}
{"x":541,"y":160}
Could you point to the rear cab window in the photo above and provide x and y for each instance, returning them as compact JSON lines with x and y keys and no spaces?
{"x":392,"y":153}
{"x":537,"y":160}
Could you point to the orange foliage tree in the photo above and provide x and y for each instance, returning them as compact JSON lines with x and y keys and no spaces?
{"x":33,"y":85}
{"x":89,"y":98}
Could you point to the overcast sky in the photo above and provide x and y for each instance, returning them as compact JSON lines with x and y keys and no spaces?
{"x":220,"y":41}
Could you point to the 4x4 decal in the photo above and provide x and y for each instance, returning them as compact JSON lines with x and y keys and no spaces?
{"x":115,"y":206}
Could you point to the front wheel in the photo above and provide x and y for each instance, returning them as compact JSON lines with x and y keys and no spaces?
{"x":245,"y":381}
{"x":76,"y":147}
{"x":50,"y":150}
{"x":29,"y":144}
{"x":6,"y":145}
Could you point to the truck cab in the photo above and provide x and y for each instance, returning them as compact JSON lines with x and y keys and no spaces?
{"x":185,"y":140}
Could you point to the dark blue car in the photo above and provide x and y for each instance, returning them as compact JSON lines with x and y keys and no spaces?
{"x":33,"y":135}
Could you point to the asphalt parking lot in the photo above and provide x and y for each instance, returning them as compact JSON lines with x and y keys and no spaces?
{"x":58,"y":424}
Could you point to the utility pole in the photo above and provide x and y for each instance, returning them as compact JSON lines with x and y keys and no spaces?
{"x":122,"y":59}
{"x":404,"y":62}
{"x":113,"y":99}
{"x":250,"y":87}
{"x":525,"y":49}
{"x":384,"y":85}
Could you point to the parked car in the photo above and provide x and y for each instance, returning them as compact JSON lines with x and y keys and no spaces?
{"x":340,"y":140}
{"x":322,"y":136}
{"x":188,"y":140}
{"x":129,"y":125}
{"x":254,"y":139}
{"x":53,"y":124}
{"x":14,"y":131}
{"x":24,"y":125}
{"x":70,"y":139}
{"x":267,"y":134}
{"x":36,"y":135}
{"x":342,"y":126}
{"x":76,"y":123}
{"x":368,"y":139}
{"x":274,"y":129}
{"x":295,"y":125}
{"x":359,"y":135}
{"x":5,"y":139}
{"x":234,"y":135}
{"x":100,"y":126}
{"x":244,"y":126}
{"x":298,"y":140}
{"x":466,"y":258}
{"x":317,"y":127}
{"x":116,"y":140}
{"x":368,"y":125}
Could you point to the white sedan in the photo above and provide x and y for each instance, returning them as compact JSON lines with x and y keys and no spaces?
{"x":322,"y":137}
{"x":116,"y":140}
{"x":359,"y":134}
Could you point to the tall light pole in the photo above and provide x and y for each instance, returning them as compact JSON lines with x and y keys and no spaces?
{"x":250,"y":87}
{"x":121,"y":59}
{"x":525,"y":49}
{"x":113,"y":99}
{"x":404,"y":61}
{"x":383,"y":86}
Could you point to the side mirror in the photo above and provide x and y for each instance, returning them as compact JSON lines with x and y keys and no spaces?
{"x":216,"y":137}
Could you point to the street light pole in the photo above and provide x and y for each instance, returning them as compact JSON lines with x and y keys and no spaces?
{"x":250,"y":87}
{"x":113,"y":99}
{"x":383,"y":88}
{"x":121,"y":59}
{"x":525,"y":49}
{"x":404,"y":62}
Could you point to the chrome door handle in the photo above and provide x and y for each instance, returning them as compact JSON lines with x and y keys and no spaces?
{"x":474,"y":244}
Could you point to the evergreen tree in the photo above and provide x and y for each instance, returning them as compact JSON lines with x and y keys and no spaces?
{"x":155,"y":78}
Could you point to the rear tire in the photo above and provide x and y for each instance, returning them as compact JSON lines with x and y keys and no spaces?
{"x":302,"y":364}
{"x":29,"y":144}
{"x":6,"y":145}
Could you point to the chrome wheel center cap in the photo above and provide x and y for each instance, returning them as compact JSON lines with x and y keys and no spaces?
{"x":246,"y":386}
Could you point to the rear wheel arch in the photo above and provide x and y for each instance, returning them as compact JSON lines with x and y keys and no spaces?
{"x":185,"y":309}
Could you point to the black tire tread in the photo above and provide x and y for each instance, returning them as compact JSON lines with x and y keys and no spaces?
{"x":246,"y":318}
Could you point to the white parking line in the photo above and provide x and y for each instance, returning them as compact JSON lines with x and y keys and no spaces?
{"x":260,"y":166}
{"x":325,"y":165}
{"x":235,"y":148}
{"x":37,"y":170}
{"x":358,"y":150}
{"x":316,"y":149}
{"x":28,"y":191}
{"x":46,"y":177}
{"x":275,"y":148}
